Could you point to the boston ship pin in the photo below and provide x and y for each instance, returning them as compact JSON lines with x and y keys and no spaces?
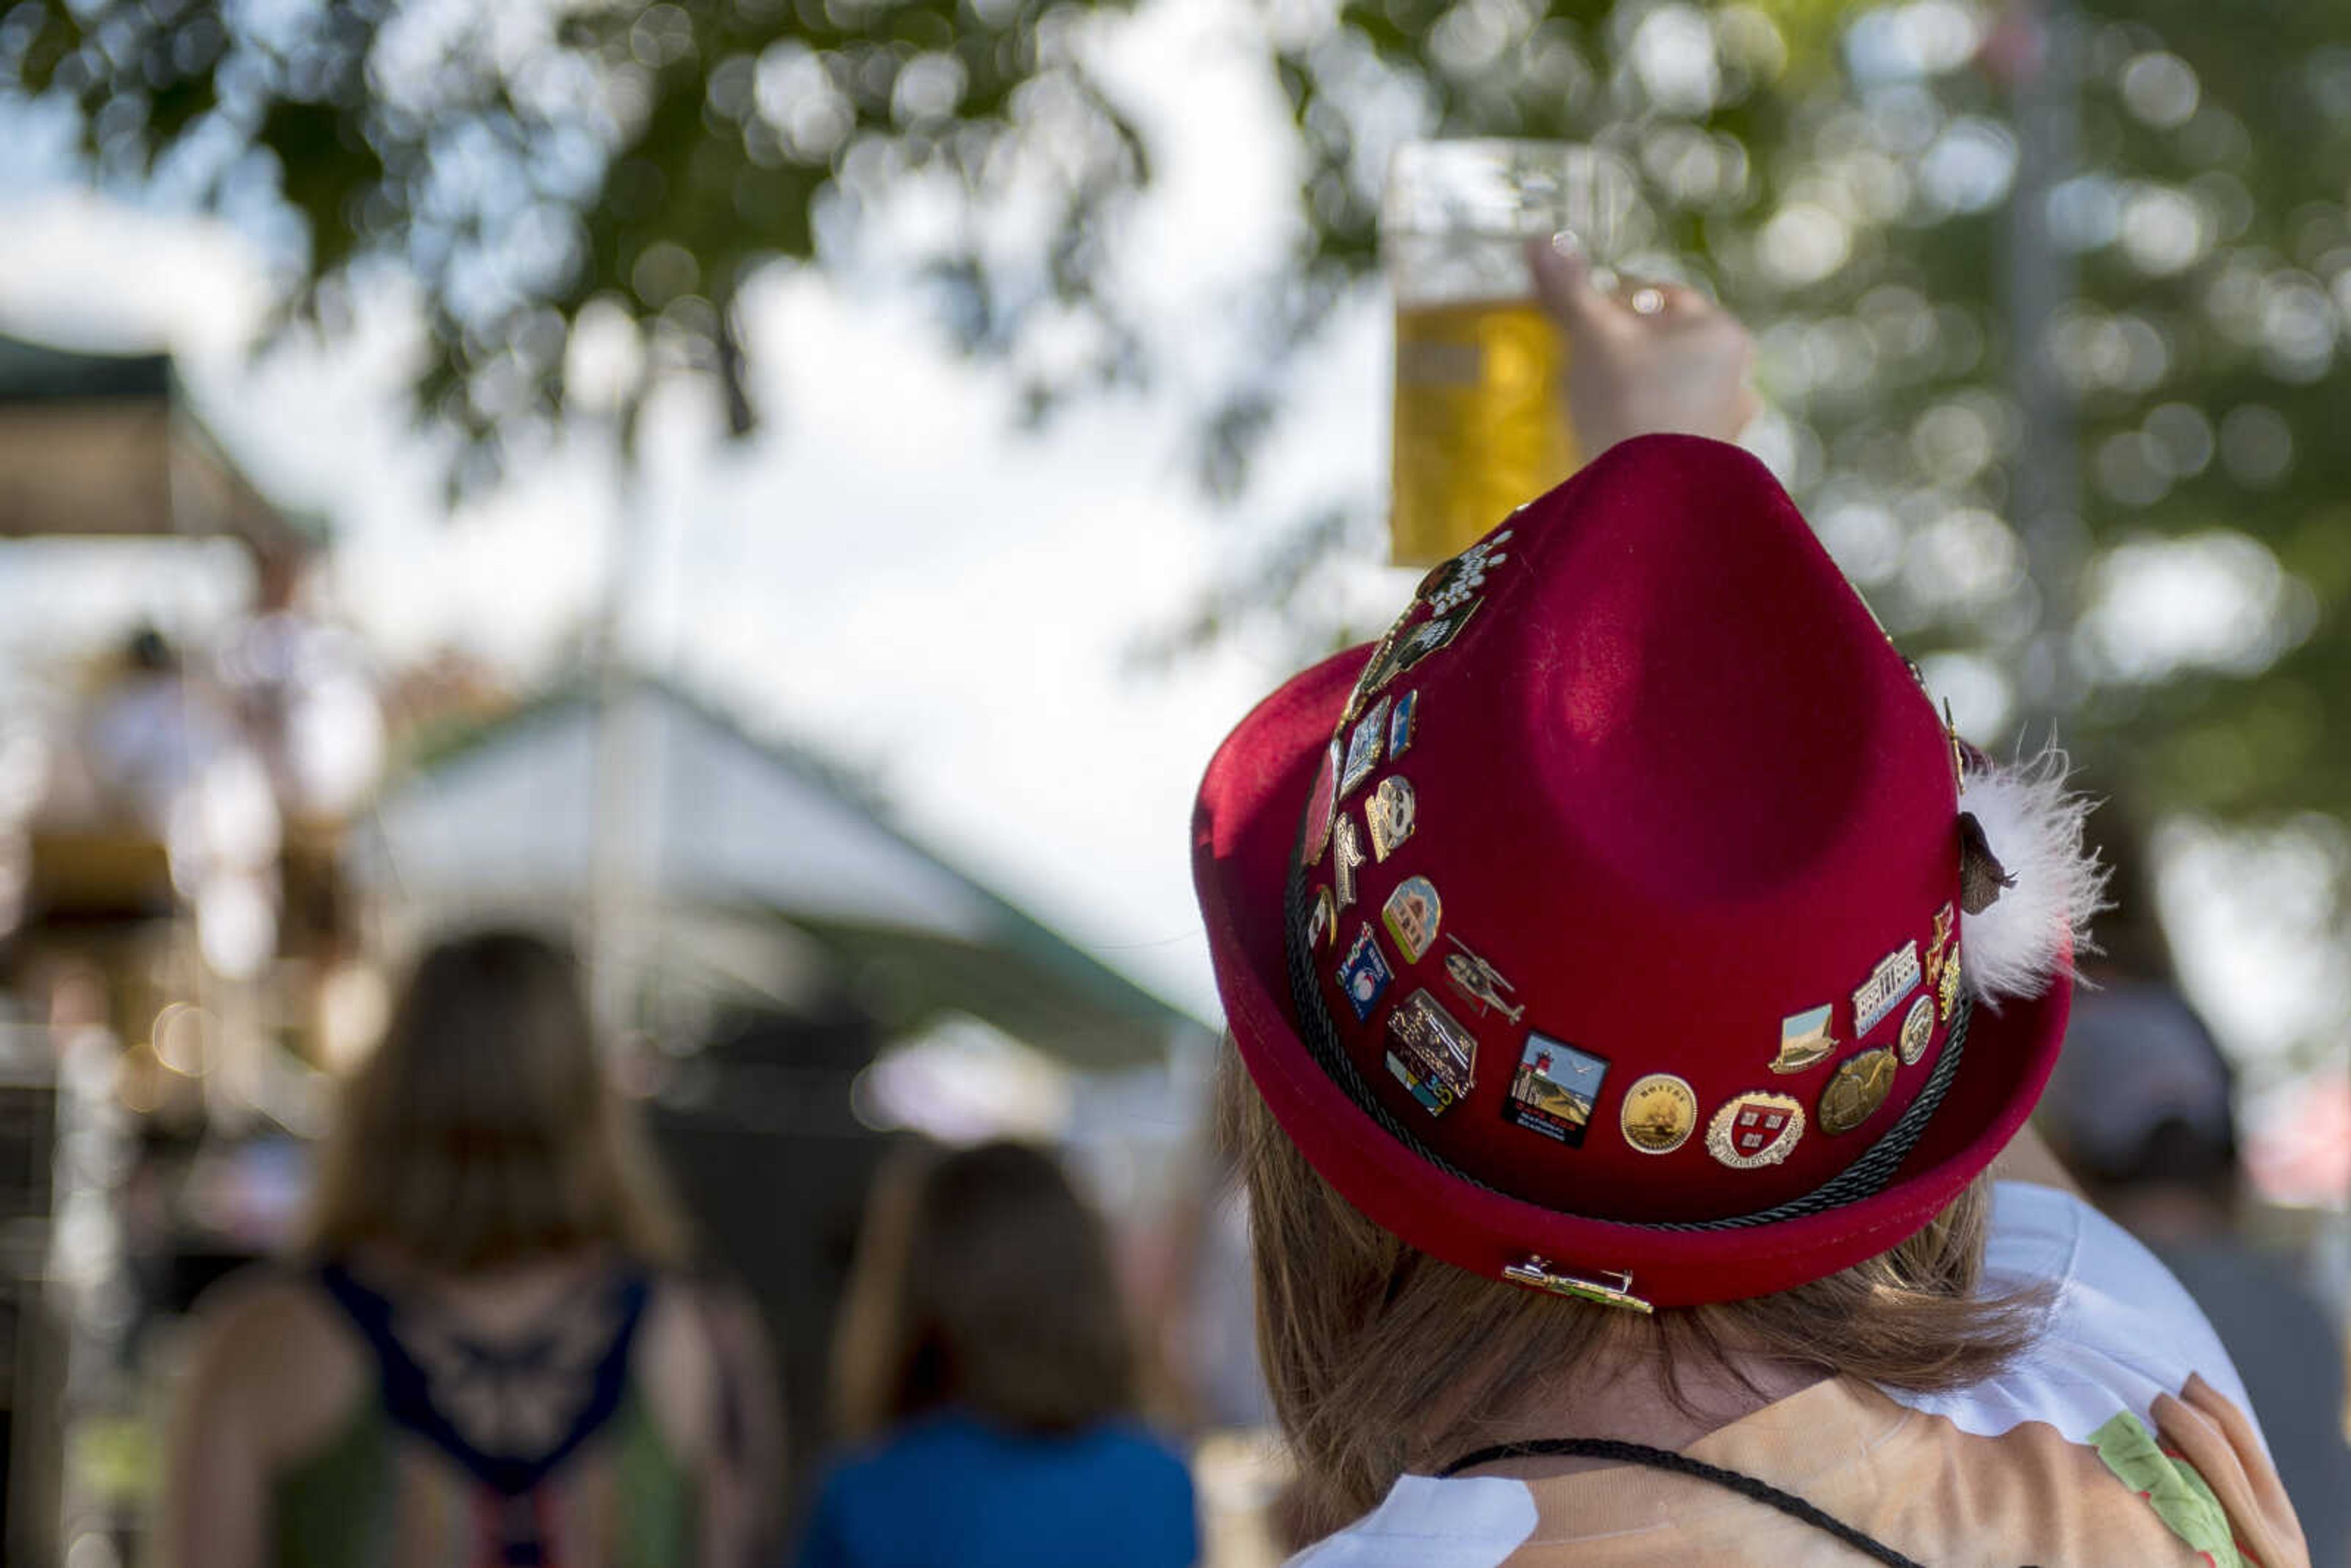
{"x":1659,"y":1114}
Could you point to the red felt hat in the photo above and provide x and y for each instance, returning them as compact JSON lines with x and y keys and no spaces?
{"x":1605,"y":921}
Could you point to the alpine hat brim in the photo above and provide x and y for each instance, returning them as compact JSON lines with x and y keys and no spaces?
{"x":1244,"y":828}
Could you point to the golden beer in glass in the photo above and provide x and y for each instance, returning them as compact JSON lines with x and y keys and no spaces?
{"x":1481,"y":416}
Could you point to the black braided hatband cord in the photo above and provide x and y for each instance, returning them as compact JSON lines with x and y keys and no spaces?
{"x":1745,"y":1485}
{"x":1865,"y":1177}
{"x":1877,"y":1166}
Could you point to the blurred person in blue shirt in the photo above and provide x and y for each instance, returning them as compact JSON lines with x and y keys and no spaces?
{"x":986,"y":1373}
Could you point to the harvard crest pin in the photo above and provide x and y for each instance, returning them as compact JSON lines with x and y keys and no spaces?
{"x":1755,"y":1129}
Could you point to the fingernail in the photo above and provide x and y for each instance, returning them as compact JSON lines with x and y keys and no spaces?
{"x":1567,"y":244}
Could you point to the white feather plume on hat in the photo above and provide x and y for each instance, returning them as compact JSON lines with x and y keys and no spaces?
{"x":2038,"y":920}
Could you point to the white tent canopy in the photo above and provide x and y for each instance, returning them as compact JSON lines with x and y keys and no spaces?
{"x":713,"y":821}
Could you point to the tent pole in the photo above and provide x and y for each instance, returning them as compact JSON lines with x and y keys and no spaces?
{"x":623,"y":762}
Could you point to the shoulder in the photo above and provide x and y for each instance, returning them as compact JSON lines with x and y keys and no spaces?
{"x":945,"y":1441}
{"x":680,"y":1364}
{"x":2039,"y":1233}
{"x":861,"y":1488}
{"x":1469,"y":1521}
{"x":1143,"y":1453}
{"x":2120,"y":1327}
{"x":2115,"y":1298}
{"x":268,"y":1317}
{"x":1115,"y":1452}
{"x":1122,"y":1457}
{"x":271,"y":1356}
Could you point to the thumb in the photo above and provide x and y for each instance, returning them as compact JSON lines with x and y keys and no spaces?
{"x":1562,"y":274}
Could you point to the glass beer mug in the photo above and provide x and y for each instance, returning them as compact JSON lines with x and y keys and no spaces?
{"x":1481,"y":422}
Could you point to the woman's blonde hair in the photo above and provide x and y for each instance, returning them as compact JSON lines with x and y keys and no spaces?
{"x":483,"y":1129}
{"x":1380,"y":1359}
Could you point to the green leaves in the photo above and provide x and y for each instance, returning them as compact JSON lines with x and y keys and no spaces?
{"x":649,"y":156}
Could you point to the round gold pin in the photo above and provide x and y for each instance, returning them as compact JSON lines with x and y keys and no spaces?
{"x":1917,"y":1028}
{"x":1856,"y":1090}
{"x":1659,"y":1114}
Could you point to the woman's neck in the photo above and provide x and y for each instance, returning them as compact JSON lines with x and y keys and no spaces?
{"x":1633,"y":1406}
{"x":497,"y":1298}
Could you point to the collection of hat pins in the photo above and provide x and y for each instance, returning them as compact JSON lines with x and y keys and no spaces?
{"x":1556,"y":1086}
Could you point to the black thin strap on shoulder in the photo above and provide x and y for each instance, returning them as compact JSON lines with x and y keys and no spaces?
{"x":1745,"y":1485}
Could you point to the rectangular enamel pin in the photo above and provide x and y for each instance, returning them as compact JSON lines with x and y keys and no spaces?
{"x":1896,"y":977}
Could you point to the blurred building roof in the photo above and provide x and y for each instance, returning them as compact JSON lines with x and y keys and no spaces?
{"x":507,"y":821}
{"x":108,"y":444}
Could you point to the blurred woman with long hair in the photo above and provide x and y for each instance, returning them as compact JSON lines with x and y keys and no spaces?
{"x":986,"y":1371}
{"x":487,"y":1356}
